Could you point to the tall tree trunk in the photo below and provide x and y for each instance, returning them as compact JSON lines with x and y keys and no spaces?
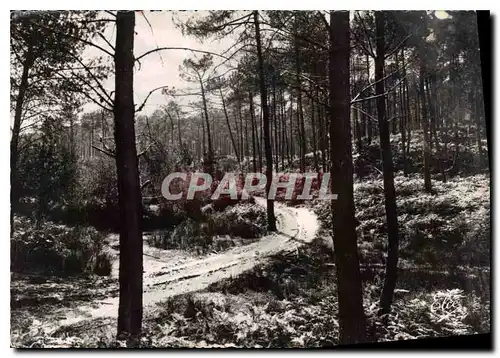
{"x":14,"y":142}
{"x":260,"y":136}
{"x":129,"y":194}
{"x":424,"y":120}
{"x":300,"y":109}
{"x":369,"y":105}
{"x":254,"y":130}
{"x":275,"y":121}
{"x":172,"y":129}
{"x":210,"y":154}
{"x":477,"y":114}
{"x":284,"y":137}
{"x":389,"y":191}
{"x":271,"y":219}
{"x":432,"y":108}
{"x":484,"y":33}
{"x":322,"y":136}
{"x":179,"y":134}
{"x":351,"y":315}
{"x":408,"y":119}
{"x":203,"y":134}
{"x":314,"y":143}
{"x":404,"y":113}
{"x":235,"y":147}
{"x":292,"y":146}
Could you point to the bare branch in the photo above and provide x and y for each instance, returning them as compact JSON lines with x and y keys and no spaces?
{"x":144,"y":151}
{"x":379,"y":95}
{"x":106,"y":40}
{"x":179,"y":48}
{"x":147,"y":97}
{"x":110,"y":154}
{"x":74,"y":37}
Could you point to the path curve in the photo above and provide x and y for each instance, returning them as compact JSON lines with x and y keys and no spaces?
{"x":163,"y":279}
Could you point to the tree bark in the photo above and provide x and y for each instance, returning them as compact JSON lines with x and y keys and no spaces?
{"x":254,"y":140}
{"x":369,"y":105}
{"x":271,"y":219}
{"x":351,"y":315}
{"x":235,"y":147}
{"x":210,"y":155}
{"x":14,"y":142}
{"x":387,"y":167}
{"x":424,"y":120}
{"x":129,"y":193}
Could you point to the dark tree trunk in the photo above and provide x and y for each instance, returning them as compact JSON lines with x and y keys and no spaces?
{"x":275,"y":122}
{"x":210,"y":153}
{"x":432,"y":108}
{"x":357,"y":130}
{"x":172,"y":129}
{"x":424,"y":120}
{"x":314,"y":144}
{"x":404,"y":114}
{"x":271,"y":219}
{"x":14,"y":142}
{"x":351,"y":315}
{"x":260,"y":139}
{"x":179,"y":134}
{"x":484,"y":33}
{"x":322,"y":136}
{"x":477,"y":114}
{"x":235,"y":147}
{"x":284,"y":136}
{"x":129,"y":194}
{"x":389,"y":191}
{"x":300,"y":110}
{"x":369,"y":129}
{"x":204,"y":141}
{"x":292,"y":146}
{"x":254,"y":139}
{"x":408,"y":120}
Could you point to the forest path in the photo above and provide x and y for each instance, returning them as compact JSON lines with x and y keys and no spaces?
{"x":167,"y":274}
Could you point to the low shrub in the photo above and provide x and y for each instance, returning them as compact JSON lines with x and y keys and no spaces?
{"x":58,"y":249}
{"x":216,"y":231}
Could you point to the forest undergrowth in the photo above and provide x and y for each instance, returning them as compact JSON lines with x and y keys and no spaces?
{"x":443,"y":281}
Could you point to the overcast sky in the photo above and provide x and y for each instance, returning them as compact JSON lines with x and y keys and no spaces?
{"x":153,"y":71}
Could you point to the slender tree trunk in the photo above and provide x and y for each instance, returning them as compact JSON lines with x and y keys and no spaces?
{"x":235,"y":147}
{"x":300,"y":110}
{"x":179,"y":134}
{"x":210,"y":155}
{"x":314,"y":144}
{"x":271,"y":219}
{"x":389,"y":191}
{"x":203,"y":134}
{"x":129,"y":194}
{"x":408,"y":120}
{"x":14,"y":142}
{"x":322,"y":138}
{"x":404,"y":114}
{"x":292,"y":146}
{"x":275,"y":121}
{"x":369,"y":105}
{"x":254,"y":130}
{"x":424,"y":120}
{"x":284,"y":136}
{"x":351,"y":315}
{"x":477,"y":113}
{"x":433,"y":111}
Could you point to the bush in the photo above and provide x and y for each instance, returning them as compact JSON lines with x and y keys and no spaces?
{"x":217,"y":231}
{"x":59,"y":250}
{"x":450,"y":227}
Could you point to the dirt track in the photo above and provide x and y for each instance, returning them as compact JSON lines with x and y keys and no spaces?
{"x":168,"y":273}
